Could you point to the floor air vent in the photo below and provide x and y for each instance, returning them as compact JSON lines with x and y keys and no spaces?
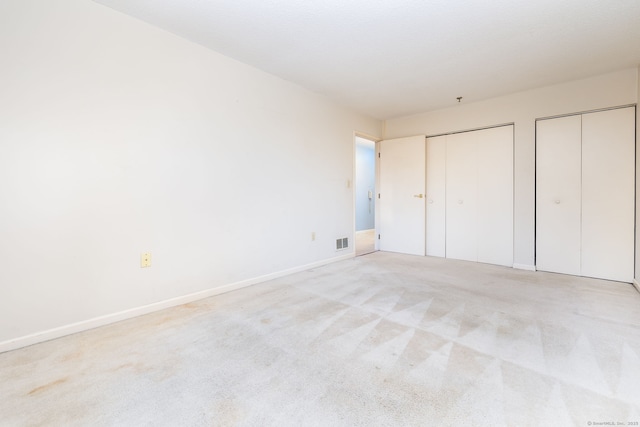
{"x":342,"y":243}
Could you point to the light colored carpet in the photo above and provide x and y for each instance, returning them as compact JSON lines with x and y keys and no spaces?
{"x":383,"y":340}
{"x":365,"y":242}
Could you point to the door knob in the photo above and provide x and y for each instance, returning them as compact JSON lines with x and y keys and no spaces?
{"x":419,"y":196}
{"x":557,"y":202}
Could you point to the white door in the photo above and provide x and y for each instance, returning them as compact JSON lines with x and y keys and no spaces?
{"x":608,"y":175}
{"x":402,"y":201}
{"x":495,"y":195}
{"x":461,"y":227}
{"x":558,"y":189}
{"x":436,"y":195}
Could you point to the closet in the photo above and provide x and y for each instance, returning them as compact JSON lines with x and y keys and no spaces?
{"x":585,"y":194}
{"x":469,"y":189}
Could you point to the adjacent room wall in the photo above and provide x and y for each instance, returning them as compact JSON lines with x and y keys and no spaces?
{"x":118,"y":138}
{"x":365,"y":182}
{"x":609,"y":90}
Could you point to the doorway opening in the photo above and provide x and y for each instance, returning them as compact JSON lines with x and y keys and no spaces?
{"x":365,"y":190}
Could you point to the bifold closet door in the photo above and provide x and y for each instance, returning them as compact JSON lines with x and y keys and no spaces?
{"x":436,"y":196}
{"x":608,"y":175}
{"x":470,"y":195}
{"x":558,"y":201}
{"x":495,"y":195}
{"x":461,"y":187}
{"x":585,"y":194}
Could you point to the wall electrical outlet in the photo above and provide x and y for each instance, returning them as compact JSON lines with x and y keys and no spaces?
{"x":145,"y":259}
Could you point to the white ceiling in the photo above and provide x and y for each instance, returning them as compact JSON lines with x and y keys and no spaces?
{"x":390,"y":58}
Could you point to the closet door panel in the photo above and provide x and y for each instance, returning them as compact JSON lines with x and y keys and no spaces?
{"x":436,"y":191}
{"x":608,"y":175}
{"x":558,"y":204}
{"x":495,"y":195}
{"x":461,"y":176}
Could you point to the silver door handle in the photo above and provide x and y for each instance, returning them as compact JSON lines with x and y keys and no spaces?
{"x":419,"y":196}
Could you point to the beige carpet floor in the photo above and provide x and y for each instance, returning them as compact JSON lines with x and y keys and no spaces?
{"x":379,"y":340}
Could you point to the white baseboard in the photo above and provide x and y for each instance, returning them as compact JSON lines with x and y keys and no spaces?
{"x":524,"y":267}
{"x":84,"y":325}
{"x":636,"y":285}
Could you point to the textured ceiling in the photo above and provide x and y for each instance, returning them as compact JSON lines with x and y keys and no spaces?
{"x":390,"y":58}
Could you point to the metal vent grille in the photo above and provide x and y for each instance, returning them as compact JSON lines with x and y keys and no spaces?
{"x":342,"y":243}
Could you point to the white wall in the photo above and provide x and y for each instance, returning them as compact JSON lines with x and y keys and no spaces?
{"x":637,"y":280}
{"x":614,"y":89}
{"x":118,"y":138}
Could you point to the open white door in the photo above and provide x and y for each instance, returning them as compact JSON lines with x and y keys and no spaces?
{"x":402,"y":195}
